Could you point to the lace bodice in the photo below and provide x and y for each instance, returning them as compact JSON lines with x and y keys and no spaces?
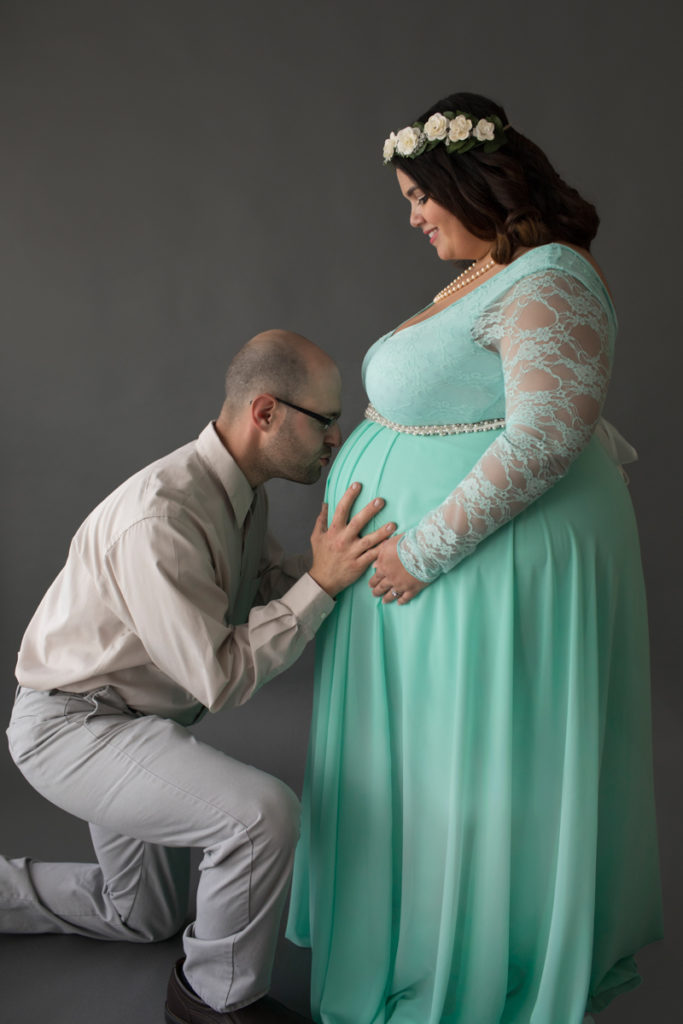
{"x":534,"y":345}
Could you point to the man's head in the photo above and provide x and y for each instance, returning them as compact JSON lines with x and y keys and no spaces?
{"x":273,"y":385}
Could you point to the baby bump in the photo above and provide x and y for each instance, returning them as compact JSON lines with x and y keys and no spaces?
{"x":412,"y":473}
{"x":416,"y":473}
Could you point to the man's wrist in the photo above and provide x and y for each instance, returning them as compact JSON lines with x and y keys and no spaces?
{"x":326,"y":585}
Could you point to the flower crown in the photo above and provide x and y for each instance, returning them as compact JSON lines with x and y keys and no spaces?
{"x":458,"y":131}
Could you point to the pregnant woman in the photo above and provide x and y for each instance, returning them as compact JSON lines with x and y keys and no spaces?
{"x":479,"y":837}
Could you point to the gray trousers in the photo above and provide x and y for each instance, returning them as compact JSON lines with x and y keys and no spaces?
{"x":150,"y":791}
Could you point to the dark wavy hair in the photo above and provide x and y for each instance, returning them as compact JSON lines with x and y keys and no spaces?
{"x":513,"y":197}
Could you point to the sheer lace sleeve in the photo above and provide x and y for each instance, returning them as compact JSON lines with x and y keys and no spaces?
{"x":552,"y":335}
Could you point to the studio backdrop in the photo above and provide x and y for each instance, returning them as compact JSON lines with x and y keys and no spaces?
{"x":178,"y":175}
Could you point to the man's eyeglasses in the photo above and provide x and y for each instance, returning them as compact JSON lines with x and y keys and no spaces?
{"x":326,"y":421}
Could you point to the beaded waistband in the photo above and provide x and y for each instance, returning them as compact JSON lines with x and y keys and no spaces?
{"x":431,"y":429}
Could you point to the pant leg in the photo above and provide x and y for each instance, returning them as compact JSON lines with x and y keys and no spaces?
{"x":148,"y":779}
{"x":136,"y":891}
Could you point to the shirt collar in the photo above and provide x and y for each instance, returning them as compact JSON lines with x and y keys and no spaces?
{"x":234,"y":481}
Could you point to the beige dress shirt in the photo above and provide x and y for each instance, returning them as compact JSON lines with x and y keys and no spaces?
{"x":174,"y":594}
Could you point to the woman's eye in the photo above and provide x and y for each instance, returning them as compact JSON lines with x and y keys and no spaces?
{"x":422,"y":200}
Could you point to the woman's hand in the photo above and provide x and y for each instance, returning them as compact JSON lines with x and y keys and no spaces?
{"x":391,"y":581}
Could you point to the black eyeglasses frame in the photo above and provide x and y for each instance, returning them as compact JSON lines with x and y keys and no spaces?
{"x":327,"y":421}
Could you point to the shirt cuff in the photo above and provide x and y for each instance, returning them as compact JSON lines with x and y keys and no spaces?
{"x":310,"y":603}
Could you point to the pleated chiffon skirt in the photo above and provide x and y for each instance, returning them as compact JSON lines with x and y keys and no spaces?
{"x":479,"y":842}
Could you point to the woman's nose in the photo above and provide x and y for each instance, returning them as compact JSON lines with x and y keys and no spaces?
{"x":416,"y":217}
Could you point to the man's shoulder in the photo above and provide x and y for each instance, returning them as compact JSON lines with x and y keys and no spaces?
{"x":178,"y":478}
{"x":176,"y":486}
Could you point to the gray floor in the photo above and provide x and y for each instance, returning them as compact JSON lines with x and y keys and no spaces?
{"x":68,"y":980}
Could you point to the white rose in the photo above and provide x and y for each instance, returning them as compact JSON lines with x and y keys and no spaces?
{"x":389,"y":147}
{"x":485,"y":130}
{"x":436,"y":127}
{"x":407,"y":141}
{"x":460,"y":128}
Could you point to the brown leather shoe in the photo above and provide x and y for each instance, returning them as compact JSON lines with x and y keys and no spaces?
{"x":184,"y":1007}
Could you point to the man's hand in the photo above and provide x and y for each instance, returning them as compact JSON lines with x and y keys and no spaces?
{"x":340,"y":554}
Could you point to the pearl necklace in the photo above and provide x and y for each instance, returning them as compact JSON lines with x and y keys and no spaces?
{"x":462,"y":280}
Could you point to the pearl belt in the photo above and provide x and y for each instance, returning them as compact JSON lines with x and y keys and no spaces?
{"x":430,"y":429}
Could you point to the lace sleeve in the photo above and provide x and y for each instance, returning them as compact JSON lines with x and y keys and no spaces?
{"x":552,"y":335}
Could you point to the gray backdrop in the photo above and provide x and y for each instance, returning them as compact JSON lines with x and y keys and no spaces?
{"x":176,"y":176}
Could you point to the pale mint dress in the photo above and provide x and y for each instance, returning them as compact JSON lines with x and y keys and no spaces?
{"x":478,"y":843}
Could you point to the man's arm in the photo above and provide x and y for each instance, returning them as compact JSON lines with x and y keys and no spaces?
{"x":278,"y":571}
{"x":161,"y":581}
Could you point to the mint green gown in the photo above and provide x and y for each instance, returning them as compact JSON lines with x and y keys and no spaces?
{"x":478,"y":843}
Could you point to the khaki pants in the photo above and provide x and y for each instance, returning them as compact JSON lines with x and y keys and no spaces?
{"x":150,"y":791}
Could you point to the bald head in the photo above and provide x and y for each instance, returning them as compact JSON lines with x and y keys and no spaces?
{"x":274,"y":362}
{"x":265,"y":435}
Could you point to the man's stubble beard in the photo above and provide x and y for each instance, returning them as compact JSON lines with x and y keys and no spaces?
{"x":282,"y":462}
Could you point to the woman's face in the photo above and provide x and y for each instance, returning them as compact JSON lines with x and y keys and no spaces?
{"x":441,"y":228}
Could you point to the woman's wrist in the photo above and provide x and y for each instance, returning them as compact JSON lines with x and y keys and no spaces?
{"x":409,"y":555}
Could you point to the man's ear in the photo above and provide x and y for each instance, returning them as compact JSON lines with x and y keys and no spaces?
{"x":263,"y":412}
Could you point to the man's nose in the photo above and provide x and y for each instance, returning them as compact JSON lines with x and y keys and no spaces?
{"x":334,"y":435}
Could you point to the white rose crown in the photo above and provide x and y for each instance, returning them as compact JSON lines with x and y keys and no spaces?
{"x":457,"y":130}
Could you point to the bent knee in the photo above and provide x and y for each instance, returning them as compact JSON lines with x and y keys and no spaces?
{"x":159,"y":911}
{"x":266,"y":815}
{"x":157,"y":925}
{"x":279,"y":815}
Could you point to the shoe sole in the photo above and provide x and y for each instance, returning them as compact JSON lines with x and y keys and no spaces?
{"x":171,"y":1017}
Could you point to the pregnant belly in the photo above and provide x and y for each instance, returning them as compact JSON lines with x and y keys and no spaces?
{"x":412,"y":473}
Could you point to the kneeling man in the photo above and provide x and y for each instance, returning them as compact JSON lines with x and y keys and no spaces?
{"x":174,"y":599}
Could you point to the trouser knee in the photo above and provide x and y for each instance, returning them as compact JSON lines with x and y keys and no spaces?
{"x":272,"y":827}
{"x":159,"y":926}
{"x":278,"y":820}
{"x":283,"y":818}
{"x":161,"y":920}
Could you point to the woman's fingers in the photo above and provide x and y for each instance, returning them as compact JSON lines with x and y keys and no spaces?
{"x":381,"y":588}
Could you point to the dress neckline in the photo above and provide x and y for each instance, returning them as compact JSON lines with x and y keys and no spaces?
{"x":507,"y":267}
